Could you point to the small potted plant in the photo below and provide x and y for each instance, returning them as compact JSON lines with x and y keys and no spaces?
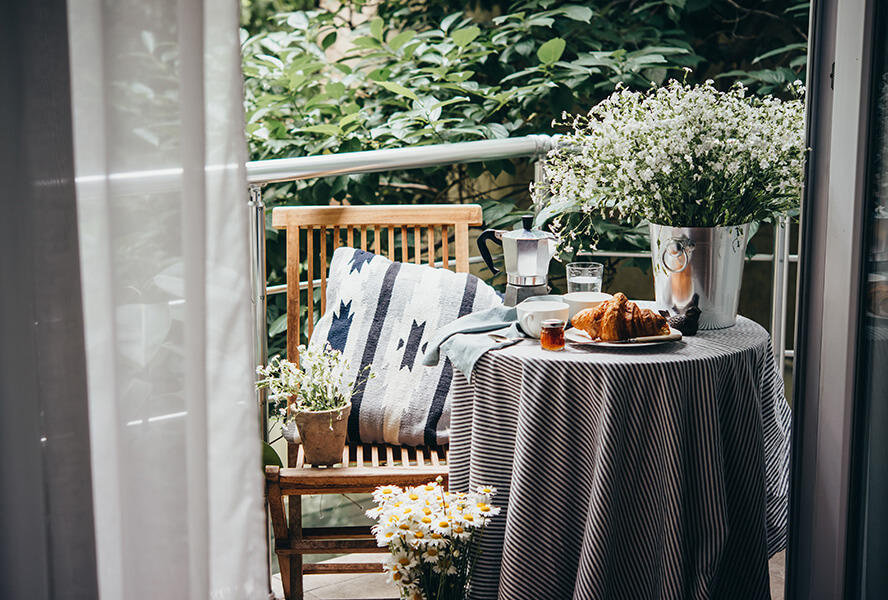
{"x":316,"y":394}
{"x":433,"y":537}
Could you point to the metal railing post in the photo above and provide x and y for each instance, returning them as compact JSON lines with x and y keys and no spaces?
{"x":260,"y":341}
{"x":539,"y":177}
{"x":779,"y":290}
{"x":258,"y":295}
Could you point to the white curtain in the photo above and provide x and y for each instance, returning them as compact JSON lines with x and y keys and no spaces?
{"x":159,"y":157}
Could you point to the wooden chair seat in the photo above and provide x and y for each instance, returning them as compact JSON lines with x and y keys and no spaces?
{"x":364,"y":468}
{"x":419,"y":234}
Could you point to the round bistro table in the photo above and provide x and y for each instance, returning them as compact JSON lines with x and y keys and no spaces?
{"x":656,"y":472}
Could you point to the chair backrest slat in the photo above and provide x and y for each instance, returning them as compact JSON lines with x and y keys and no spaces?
{"x":445,"y":250}
{"x":384,"y":222}
{"x":404,"y":244}
{"x":417,"y":244}
{"x":293,"y":295}
{"x":323,"y":269}
{"x":430,"y":247}
{"x":309,"y":260}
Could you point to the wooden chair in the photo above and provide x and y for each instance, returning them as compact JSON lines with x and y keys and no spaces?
{"x":402,"y":233}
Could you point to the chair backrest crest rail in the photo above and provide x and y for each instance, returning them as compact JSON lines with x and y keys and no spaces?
{"x":414,"y":233}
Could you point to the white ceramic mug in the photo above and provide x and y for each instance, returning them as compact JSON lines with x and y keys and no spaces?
{"x":578,"y":301}
{"x":532,"y":314}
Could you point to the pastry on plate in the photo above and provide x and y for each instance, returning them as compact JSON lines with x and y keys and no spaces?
{"x":619,"y":319}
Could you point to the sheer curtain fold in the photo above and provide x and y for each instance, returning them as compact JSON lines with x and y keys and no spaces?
{"x":159,"y":157}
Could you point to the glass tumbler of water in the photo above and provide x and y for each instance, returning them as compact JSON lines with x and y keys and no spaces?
{"x":584,"y":276}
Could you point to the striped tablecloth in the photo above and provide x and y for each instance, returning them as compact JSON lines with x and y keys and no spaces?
{"x":630,"y":474}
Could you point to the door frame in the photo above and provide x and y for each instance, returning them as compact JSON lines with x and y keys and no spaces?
{"x":830,"y":272}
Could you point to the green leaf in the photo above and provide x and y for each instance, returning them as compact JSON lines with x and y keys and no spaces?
{"x":498,"y":131}
{"x":270,"y":457}
{"x":464,"y":37}
{"x":578,"y":13}
{"x":399,"y":89}
{"x":379,"y":75}
{"x":449,"y":20}
{"x":350,"y":118}
{"x":551,"y":51}
{"x":540,"y":21}
{"x":495,"y":210}
{"x":376,"y":28}
{"x":279,"y":325}
{"x":324,"y":128}
{"x":781,"y":50}
{"x":366,"y":42}
{"x":401,"y":39}
{"x":449,"y":102}
{"x":339,"y":184}
{"x":328,"y":40}
{"x":474,"y":170}
{"x":295,"y":82}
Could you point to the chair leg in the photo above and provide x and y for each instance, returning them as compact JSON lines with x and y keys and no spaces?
{"x":294,"y":567}
{"x":284,"y":563}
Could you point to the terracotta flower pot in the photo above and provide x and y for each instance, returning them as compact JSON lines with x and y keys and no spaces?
{"x":323,"y":434}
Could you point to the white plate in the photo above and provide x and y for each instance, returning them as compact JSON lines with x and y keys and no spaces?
{"x":578,"y":336}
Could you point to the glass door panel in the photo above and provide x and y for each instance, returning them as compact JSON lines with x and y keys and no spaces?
{"x":867,"y":557}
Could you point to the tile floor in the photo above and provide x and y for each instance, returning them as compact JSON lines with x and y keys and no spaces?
{"x":373,"y":585}
{"x":366,"y":586}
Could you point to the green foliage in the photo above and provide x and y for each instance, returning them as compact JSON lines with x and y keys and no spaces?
{"x":427,"y":71}
{"x":270,"y":457}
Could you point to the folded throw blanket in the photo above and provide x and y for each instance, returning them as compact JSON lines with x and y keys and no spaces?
{"x":466,"y":340}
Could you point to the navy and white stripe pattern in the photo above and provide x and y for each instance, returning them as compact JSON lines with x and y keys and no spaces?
{"x":381,"y":314}
{"x":631,"y":474}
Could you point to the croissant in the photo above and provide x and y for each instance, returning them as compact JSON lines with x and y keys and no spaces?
{"x":618,"y":319}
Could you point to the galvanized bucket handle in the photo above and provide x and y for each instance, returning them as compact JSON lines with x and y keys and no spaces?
{"x":676,"y":246}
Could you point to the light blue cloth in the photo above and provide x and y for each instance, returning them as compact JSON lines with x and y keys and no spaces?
{"x":465,"y":340}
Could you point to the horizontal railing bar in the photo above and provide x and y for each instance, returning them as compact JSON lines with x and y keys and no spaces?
{"x":641,"y":254}
{"x":280,"y":289}
{"x":393,"y":159}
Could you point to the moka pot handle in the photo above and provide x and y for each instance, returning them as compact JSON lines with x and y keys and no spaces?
{"x":493,"y":235}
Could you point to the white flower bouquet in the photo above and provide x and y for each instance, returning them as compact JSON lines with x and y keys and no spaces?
{"x":319,"y":382}
{"x":681,"y":156}
{"x":433,"y":536}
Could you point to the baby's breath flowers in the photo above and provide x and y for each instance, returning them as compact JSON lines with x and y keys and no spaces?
{"x":319,"y":382}
{"x":433,"y":536}
{"x":680,"y":155}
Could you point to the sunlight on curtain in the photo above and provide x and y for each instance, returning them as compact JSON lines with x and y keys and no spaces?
{"x":159,"y":153}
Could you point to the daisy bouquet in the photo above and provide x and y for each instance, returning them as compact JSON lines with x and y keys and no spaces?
{"x":678,"y":155}
{"x":433,"y":536}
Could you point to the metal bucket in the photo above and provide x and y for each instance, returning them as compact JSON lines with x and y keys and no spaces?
{"x":706,"y":262}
